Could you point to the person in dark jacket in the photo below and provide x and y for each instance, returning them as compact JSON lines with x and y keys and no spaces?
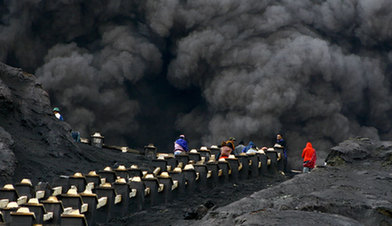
{"x":238,"y":148}
{"x":180,"y":145}
{"x":281,"y":143}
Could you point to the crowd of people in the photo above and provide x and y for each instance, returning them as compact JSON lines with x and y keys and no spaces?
{"x":229,"y":147}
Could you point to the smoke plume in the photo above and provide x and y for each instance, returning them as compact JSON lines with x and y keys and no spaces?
{"x":143,"y":71}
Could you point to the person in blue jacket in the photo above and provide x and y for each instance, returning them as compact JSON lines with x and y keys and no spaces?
{"x":251,"y":146}
{"x":180,"y":145}
{"x":281,"y":143}
{"x":56,"y":112}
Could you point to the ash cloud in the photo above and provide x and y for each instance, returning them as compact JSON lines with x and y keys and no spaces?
{"x":314,"y":69}
{"x":317,"y":70}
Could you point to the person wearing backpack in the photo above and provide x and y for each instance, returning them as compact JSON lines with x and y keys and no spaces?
{"x":309,"y":156}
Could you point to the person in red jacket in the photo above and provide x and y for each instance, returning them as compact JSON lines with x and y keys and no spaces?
{"x":309,"y":156}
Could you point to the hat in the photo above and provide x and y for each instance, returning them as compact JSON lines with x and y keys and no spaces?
{"x":229,"y":144}
{"x":193,"y":151}
{"x":214,"y":147}
{"x":134,"y":167}
{"x":149,"y":176}
{"x":26,"y":181}
{"x":204,"y":148}
{"x":107,"y":168}
{"x":23,"y":210}
{"x":189,"y":167}
{"x":161,"y":157}
{"x":88,"y":190}
{"x":270,"y":149}
{"x":121,"y":180}
{"x":231,"y":157}
{"x":72,"y":212}
{"x":164,"y":175}
{"x":92,"y":173}
{"x":106,"y":185}
{"x":177,"y":170}
{"x":77,"y":175}
{"x":211,"y":160}
{"x":136,"y":179}
{"x":72,"y":191}
{"x":97,"y":135}
{"x":232,"y":138}
{"x":182,"y":136}
{"x":121,"y":167}
{"x":12,"y":205}
{"x":9,"y":187}
{"x":52,"y":199}
{"x":56,"y":109}
{"x":33,"y":201}
{"x":150,"y":146}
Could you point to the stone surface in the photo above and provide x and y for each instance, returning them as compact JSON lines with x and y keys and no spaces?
{"x":350,"y":150}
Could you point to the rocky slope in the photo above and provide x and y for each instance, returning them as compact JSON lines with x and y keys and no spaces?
{"x":31,"y":139}
{"x":33,"y":143}
{"x":354,"y":189}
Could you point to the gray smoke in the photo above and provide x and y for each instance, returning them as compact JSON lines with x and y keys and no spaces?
{"x":92,"y":85}
{"x":318,"y":70}
{"x":315,"y":69}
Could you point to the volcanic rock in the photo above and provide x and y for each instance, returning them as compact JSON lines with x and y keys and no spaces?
{"x":32,"y":140}
{"x":7,"y":157}
{"x":349,"y":151}
{"x":199,"y":212}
